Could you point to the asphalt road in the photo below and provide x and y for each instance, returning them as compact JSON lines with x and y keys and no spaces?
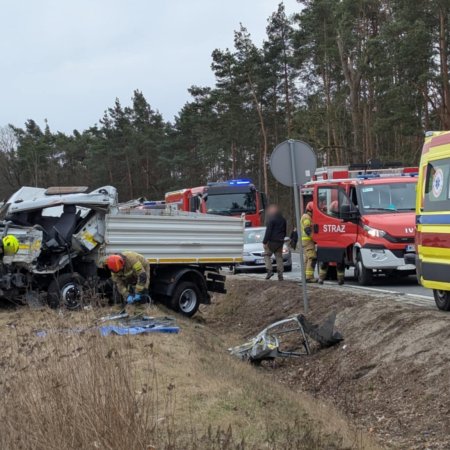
{"x":407,"y":289}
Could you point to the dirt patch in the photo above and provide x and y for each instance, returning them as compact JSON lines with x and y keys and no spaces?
{"x":390,"y":375}
{"x":71,"y":388}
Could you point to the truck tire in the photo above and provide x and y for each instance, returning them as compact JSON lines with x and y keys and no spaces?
{"x":66,"y":290}
{"x":288,"y":268}
{"x":186,"y":298}
{"x":442,"y":299}
{"x":363,"y":275}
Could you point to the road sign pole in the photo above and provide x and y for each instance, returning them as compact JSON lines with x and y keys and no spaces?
{"x":298,"y":199}
{"x":292,"y":163}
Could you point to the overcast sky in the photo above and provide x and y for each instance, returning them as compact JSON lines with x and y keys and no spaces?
{"x":67,"y":60}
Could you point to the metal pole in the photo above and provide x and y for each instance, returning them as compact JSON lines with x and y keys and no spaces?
{"x":298,"y":204}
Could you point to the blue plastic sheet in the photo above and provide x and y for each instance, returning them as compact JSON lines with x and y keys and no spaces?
{"x":106,"y":330}
{"x":124,"y":325}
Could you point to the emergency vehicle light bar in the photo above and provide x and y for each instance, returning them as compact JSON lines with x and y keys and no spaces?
{"x":241,"y":182}
{"x":237,"y":182}
{"x":339,"y":174}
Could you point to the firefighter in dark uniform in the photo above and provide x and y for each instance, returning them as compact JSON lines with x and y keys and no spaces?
{"x":340,"y":266}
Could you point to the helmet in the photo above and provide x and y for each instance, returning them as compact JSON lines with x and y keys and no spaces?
{"x":10,"y":245}
{"x":334,"y":207}
{"x":115,"y":263}
{"x":310,"y":206}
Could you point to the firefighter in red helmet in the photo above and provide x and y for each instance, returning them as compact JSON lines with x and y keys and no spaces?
{"x":130,"y":273}
{"x":308,"y":244}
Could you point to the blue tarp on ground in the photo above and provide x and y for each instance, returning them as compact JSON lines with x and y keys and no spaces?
{"x":123,"y":330}
{"x":129,"y":326}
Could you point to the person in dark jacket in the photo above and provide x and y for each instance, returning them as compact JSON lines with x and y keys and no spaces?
{"x":294,"y":239}
{"x":273,"y":240}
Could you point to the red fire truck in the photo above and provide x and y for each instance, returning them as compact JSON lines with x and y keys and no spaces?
{"x":228,"y":198}
{"x":190,"y":200}
{"x":364,"y":218}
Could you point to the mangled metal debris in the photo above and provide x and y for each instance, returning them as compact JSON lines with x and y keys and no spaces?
{"x":324,"y":334}
{"x":288,"y":338}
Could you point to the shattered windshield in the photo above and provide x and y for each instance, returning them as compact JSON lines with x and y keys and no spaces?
{"x":389,"y":197}
{"x":228,"y":204}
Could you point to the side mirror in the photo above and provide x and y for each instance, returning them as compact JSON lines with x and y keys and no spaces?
{"x":349,"y":213}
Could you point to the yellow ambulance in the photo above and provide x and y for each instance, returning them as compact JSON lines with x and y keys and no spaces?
{"x":433,"y":218}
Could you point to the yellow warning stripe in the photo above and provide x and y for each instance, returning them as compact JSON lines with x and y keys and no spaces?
{"x":433,"y":228}
{"x":435,"y":252}
{"x":441,"y":286}
{"x":193,"y":260}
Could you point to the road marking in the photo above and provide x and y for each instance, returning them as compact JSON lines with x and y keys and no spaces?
{"x":365,"y":288}
{"x":423,"y":297}
{"x":387,"y":291}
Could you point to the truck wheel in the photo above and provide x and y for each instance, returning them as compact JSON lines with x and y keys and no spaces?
{"x":288,"y":268}
{"x":442,"y":299}
{"x":363,"y":275}
{"x":186,"y":298}
{"x":66,"y":290}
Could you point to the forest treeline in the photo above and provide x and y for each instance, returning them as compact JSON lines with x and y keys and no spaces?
{"x":357,"y":79}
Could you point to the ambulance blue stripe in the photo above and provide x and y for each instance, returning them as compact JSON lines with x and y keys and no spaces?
{"x":435,"y":219}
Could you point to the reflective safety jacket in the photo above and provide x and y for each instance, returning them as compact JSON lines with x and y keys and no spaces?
{"x":135,"y":273}
{"x":307,"y":227}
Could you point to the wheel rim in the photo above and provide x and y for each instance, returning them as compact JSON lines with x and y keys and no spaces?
{"x":359,"y":270}
{"x":441,"y":296}
{"x":71,"y":295}
{"x":188,"y":300}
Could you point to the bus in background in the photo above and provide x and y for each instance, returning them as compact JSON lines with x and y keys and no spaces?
{"x":433,"y":218}
{"x":227,"y":198}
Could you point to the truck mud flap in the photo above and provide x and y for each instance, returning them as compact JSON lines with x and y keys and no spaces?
{"x":215,"y":283}
{"x":328,"y":254}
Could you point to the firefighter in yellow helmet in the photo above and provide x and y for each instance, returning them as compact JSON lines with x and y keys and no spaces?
{"x":308,"y":244}
{"x":10,"y":245}
{"x":130,"y":272}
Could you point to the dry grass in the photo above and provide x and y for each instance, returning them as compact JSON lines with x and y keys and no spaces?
{"x":78,"y":390}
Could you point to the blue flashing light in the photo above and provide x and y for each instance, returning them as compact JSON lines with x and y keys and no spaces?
{"x":411,"y":174}
{"x":368,"y":176}
{"x":240,"y":182}
{"x":153,"y":202}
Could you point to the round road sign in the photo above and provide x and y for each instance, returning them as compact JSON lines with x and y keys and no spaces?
{"x":293,"y":162}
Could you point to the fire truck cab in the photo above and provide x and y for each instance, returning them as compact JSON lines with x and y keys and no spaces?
{"x":364,"y":218}
{"x":189,"y":200}
{"x":227,"y":198}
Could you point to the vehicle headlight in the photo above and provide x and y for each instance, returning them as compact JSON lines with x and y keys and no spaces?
{"x":246,"y":254}
{"x":285,"y":249}
{"x":374,"y":232}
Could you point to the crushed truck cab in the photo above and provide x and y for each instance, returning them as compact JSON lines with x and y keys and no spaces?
{"x":65,"y":234}
{"x":365,"y":218}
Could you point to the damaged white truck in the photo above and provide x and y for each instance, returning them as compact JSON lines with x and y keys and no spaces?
{"x":65,"y":233}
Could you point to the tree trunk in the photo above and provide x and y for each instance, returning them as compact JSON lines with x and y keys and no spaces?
{"x":233,"y":159}
{"x":263,"y":134}
{"x":443,"y":54}
{"x":353,"y":80}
